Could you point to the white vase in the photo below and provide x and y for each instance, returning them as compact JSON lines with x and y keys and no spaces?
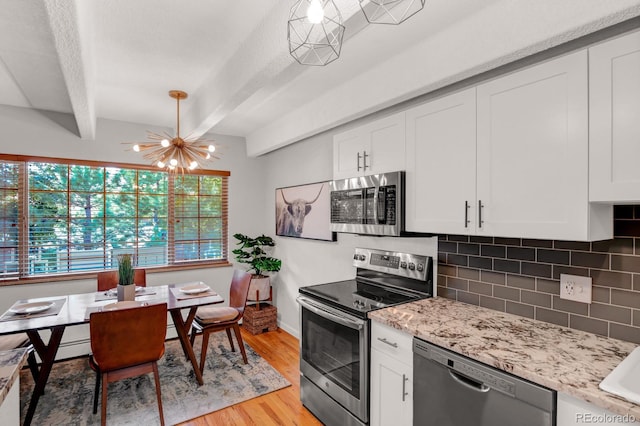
{"x":126,"y":292}
{"x":259,"y":289}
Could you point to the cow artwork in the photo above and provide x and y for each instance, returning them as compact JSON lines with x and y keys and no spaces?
{"x":291,"y":216}
{"x":303,"y":211}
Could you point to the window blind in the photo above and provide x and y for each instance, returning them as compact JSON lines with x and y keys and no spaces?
{"x":58,"y":217}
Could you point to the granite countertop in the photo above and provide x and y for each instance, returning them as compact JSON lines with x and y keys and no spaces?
{"x":566,"y":360}
{"x":10,"y":364}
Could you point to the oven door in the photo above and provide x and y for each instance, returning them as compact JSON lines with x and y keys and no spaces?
{"x":334,"y":354}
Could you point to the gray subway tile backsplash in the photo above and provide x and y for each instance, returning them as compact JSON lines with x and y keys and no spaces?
{"x":492,"y":303}
{"x":521,"y":276}
{"x":590,"y":260}
{"x":520,"y":309}
{"x":588,"y":324}
{"x":503,"y":265}
{"x":610,"y":313}
{"x":560,"y":257}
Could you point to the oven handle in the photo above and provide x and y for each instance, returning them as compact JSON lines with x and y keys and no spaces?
{"x":318,"y":309}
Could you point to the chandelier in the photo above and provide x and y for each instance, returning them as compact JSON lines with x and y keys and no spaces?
{"x":174,"y":153}
{"x":315,"y":28}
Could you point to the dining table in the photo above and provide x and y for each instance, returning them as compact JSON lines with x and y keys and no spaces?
{"x":75,"y":309}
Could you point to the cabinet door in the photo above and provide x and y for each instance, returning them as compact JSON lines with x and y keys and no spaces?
{"x":533,"y":151}
{"x":573,"y":412}
{"x":386,"y":145}
{"x":391,"y":391}
{"x":347,"y":151}
{"x":441,"y":165}
{"x":614,"y":91}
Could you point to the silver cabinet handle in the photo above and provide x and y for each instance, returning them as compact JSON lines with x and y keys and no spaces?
{"x":466,"y":213}
{"x":384,"y":340}
{"x":404,"y":383}
{"x":359,"y":161}
{"x":364,"y":157}
{"x":480,"y":221}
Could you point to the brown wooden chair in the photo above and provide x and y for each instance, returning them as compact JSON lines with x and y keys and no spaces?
{"x":109,"y":279}
{"x":127,"y":343}
{"x":210,"y":319}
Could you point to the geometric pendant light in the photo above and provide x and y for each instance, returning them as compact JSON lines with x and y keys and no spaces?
{"x":390,"y":11}
{"x":315,"y":31}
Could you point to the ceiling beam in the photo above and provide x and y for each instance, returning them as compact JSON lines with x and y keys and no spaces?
{"x":71,"y":26}
{"x":262,"y":59}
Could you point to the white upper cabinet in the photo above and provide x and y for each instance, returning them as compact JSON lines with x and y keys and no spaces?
{"x":441,"y":165}
{"x":533,"y":147}
{"x":614,"y":84}
{"x":508,"y":158}
{"x":376,"y":147}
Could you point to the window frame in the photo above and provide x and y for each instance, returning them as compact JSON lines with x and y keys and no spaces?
{"x":23,"y":236}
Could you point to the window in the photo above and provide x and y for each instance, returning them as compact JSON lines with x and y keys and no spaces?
{"x":59,"y":217}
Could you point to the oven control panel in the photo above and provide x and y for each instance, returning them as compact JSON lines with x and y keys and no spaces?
{"x":396,"y":263}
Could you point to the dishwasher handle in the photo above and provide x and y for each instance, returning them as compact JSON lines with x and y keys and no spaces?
{"x":469,"y":383}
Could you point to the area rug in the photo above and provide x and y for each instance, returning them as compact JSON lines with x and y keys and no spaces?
{"x":68,"y":398}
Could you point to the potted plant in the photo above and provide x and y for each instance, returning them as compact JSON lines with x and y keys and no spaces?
{"x":252,"y":252}
{"x":126,"y":287}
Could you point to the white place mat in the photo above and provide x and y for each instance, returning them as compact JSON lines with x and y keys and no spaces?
{"x":181,"y":296}
{"x":54,"y":310}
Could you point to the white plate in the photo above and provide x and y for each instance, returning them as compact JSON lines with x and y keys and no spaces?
{"x":31,"y":308}
{"x":122,"y":305}
{"x":195,"y":288}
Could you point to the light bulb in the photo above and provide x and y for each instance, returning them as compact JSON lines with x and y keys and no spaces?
{"x":161,"y":164}
{"x":212,"y":148}
{"x":193,"y":165}
{"x":136,"y":148}
{"x":171,"y":167}
{"x":208,"y":156}
{"x":173,"y":162}
{"x":164,"y":142}
{"x":315,"y":13}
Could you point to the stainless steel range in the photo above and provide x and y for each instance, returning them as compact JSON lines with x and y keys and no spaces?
{"x":335,"y":335}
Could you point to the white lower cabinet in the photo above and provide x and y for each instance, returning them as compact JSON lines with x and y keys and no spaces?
{"x":10,"y":407}
{"x":573,"y":411}
{"x":391,"y":400}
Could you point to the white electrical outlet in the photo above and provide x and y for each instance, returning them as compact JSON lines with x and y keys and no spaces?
{"x":575,"y":287}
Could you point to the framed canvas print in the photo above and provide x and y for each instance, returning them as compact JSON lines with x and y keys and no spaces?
{"x":303,"y":211}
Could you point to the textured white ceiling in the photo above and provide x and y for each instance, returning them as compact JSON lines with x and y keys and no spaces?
{"x":117,"y":59}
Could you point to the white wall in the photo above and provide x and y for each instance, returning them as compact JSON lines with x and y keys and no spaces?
{"x":30,"y":132}
{"x":308,"y":262}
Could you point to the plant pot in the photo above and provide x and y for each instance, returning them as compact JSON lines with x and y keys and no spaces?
{"x":259,"y":289}
{"x":126,"y":292}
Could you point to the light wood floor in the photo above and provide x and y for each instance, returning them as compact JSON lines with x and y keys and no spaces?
{"x":283,"y":407}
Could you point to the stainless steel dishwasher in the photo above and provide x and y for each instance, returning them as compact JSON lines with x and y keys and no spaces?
{"x":453,"y":390}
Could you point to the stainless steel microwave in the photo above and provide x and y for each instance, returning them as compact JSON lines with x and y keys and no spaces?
{"x":371,"y":205}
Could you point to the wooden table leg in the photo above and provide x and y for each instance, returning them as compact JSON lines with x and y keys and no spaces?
{"x":47,"y":354}
{"x":182,"y":327}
